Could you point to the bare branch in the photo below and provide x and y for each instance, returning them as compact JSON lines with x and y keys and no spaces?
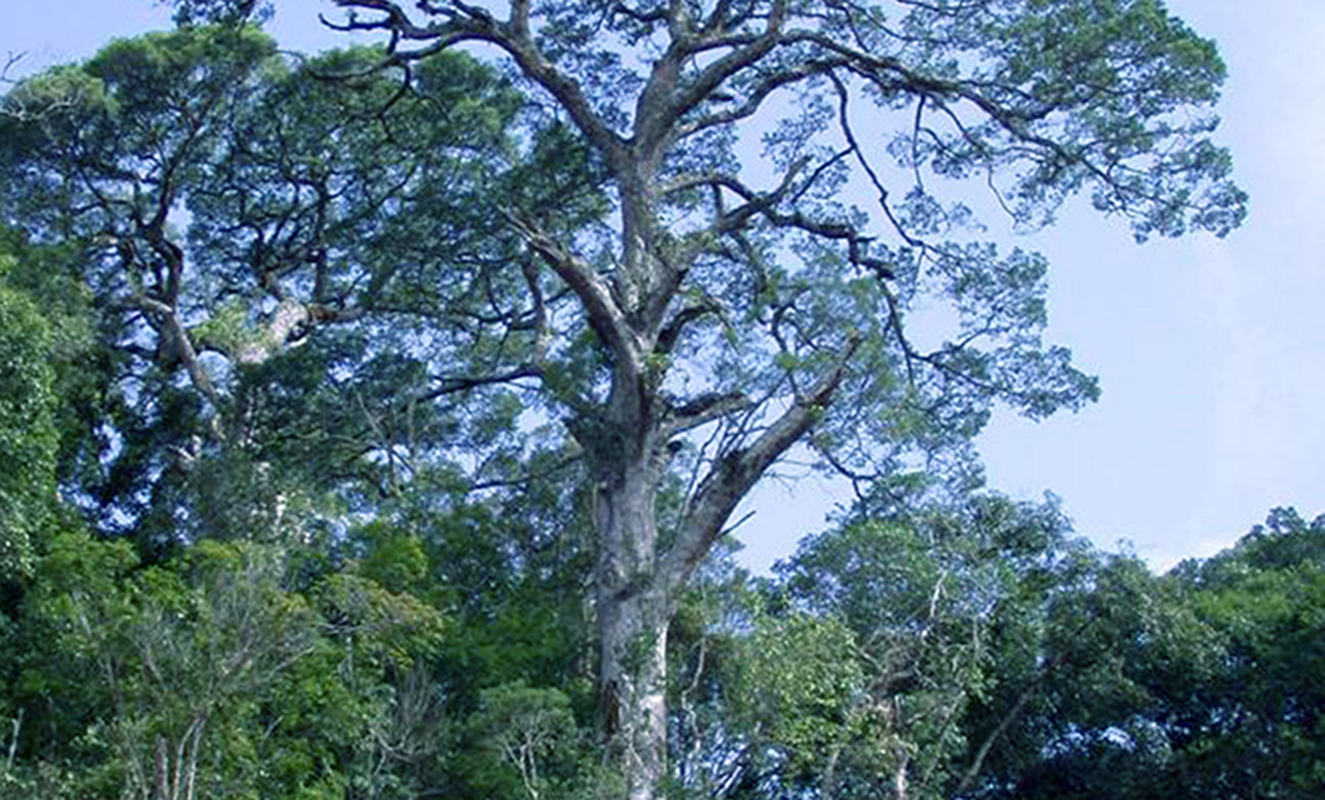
{"x":11,"y":58}
{"x":703,"y":410}
{"x":450,"y":384}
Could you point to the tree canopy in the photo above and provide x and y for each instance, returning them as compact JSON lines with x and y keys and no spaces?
{"x":463,"y":349}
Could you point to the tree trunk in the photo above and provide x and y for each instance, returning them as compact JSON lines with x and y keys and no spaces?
{"x":633,"y":631}
{"x":633,"y":609}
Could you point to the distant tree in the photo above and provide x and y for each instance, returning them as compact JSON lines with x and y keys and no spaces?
{"x":1247,"y":718}
{"x":875,"y":642}
{"x":989,"y":654}
{"x":1204,"y":681}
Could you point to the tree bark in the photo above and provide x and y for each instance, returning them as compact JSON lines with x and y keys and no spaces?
{"x":633,"y":634}
{"x":633,"y":605}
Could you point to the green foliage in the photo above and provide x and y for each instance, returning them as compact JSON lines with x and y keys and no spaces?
{"x":253,"y":690}
{"x":1200,"y":682}
{"x":1257,"y":726}
{"x":208,"y":119}
{"x":220,"y":12}
{"x":182,"y":651}
{"x":798,"y":685}
{"x":527,"y":743}
{"x":45,"y":276}
{"x":300,"y":336}
{"x":396,"y":562}
{"x":268,"y":652}
{"x":923,"y":595}
{"x":28,"y":433}
{"x":101,"y":154}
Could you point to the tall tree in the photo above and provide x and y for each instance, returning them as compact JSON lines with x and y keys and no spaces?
{"x":720,"y":314}
{"x":728,"y":311}
{"x":293,"y":184}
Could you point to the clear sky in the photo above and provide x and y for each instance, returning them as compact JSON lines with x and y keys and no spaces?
{"x":1211,"y":352}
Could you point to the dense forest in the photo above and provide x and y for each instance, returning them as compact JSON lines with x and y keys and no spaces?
{"x":372,"y":422}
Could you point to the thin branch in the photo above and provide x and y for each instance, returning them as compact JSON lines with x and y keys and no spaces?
{"x":11,"y":58}
{"x":450,"y":384}
{"x":523,"y":480}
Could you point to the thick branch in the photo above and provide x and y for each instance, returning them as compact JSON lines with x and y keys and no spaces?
{"x":711,"y":77}
{"x":736,"y":473}
{"x":567,"y":91}
{"x":176,"y":342}
{"x":604,"y":315}
{"x":672,"y":331}
{"x":703,"y":410}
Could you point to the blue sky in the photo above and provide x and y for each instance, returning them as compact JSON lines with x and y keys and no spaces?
{"x":1210,"y":351}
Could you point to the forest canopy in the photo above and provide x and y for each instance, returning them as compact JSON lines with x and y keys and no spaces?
{"x":380,"y":414}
